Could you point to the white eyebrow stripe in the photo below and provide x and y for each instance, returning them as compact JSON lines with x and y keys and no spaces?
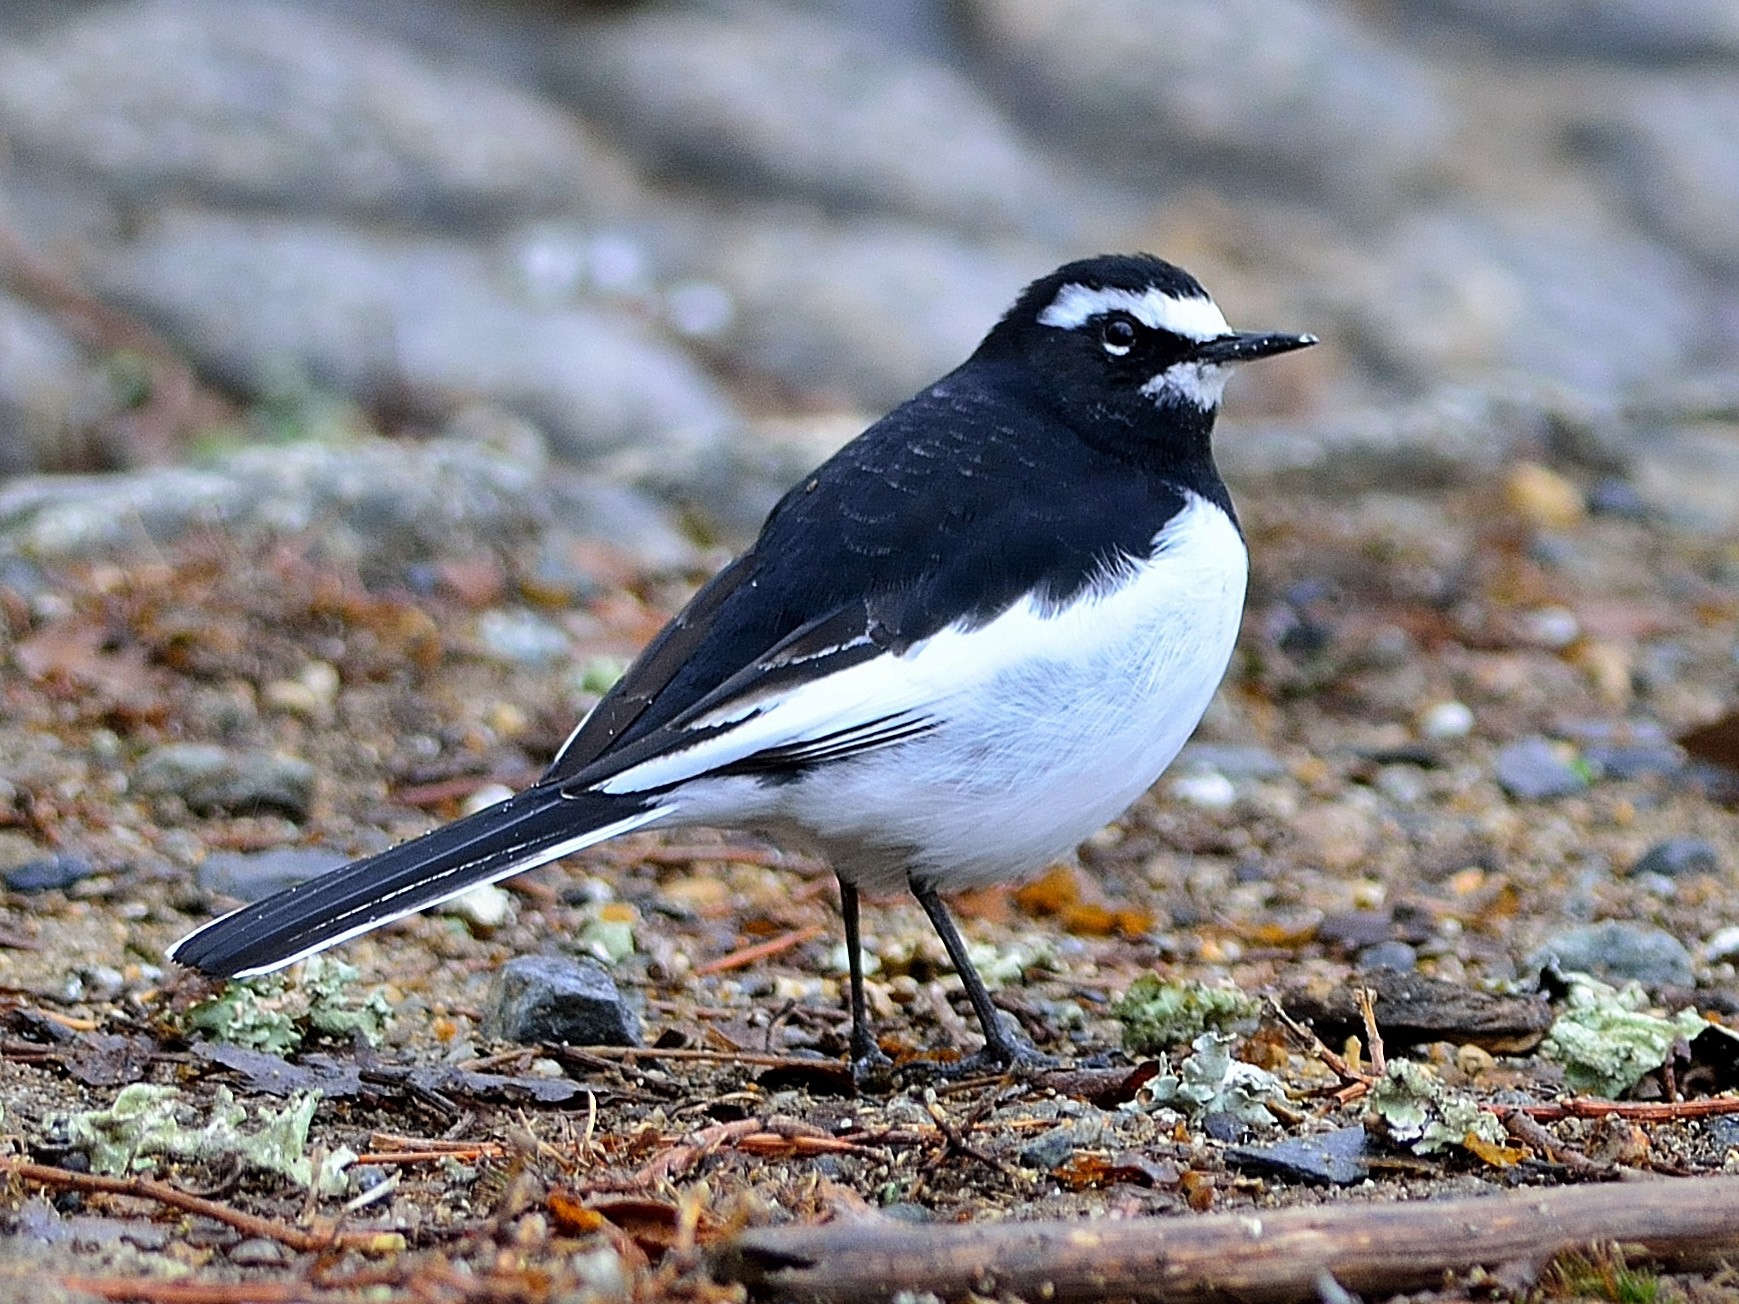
{"x":1192,"y":318}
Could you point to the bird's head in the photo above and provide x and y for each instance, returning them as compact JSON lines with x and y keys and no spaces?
{"x":1119,"y":339}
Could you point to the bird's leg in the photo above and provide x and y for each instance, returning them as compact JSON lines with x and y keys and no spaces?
{"x":867,"y":1059}
{"x":1005,"y":1045}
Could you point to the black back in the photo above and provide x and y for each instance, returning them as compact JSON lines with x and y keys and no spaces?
{"x":1035,"y":467}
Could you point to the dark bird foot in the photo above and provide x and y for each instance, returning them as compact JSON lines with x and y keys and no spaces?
{"x":1010,"y":1052}
{"x":871,"y":1069}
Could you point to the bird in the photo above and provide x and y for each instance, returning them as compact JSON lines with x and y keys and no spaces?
{"x":968,"y":640}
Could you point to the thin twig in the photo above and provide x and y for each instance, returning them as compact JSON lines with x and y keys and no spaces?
{"x":1336,"y":1064}
{"x":742,"y":957}
{"x":956,"y":1141}
{"x":144,"y":1188}
{"x":696,"y":1055}
{"x":149,"y":1290}
{"x":1531,"y":1133}
{"x":1647,"y":1111}
{"x":462,"y":1155}
{"x":1367,"y":1003}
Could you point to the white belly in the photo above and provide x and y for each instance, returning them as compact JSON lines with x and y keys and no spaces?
{"x":1069,"y":719}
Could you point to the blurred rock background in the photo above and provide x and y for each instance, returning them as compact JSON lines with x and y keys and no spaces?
{"x":632,"y":267}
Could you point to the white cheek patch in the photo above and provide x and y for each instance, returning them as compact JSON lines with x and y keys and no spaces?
{"x":1193,"y":319}
{"x":1200,"y":384}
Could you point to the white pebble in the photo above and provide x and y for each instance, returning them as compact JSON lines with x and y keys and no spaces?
{"x":1445,"y":720}
{"x":1553,"y":627}
{"x":488,"y":795}
{"x":1208,"y":789}
{"x":1724,"y":945}
{"x":485,"y":905}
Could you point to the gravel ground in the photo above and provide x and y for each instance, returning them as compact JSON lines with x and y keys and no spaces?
{"x":1411,"y":669}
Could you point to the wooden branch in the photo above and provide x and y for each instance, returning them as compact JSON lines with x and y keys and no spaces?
{"x":370,"y":1242}
{"x":1261,"y":1257}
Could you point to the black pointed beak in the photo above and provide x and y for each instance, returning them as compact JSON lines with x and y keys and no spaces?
{"x":1245,"y":346}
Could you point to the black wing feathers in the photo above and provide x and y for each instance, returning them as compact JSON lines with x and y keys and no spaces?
{"x":950,"y":508}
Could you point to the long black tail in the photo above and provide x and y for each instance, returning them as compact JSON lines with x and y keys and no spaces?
{"x":528,"y":829}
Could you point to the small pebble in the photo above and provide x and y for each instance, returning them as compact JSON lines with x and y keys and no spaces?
{"x":1618,"y":498}
{"x":255,"y":875}
{"x":1535,"y":769}
{"x":1222,"y":1126}
{"x":1724,"y":945}
{"x":258,"y":1252}
{"x":1402,"y":783}
{"x":1337,"y":1158}
{"x":1552,"y":627}
{"x":1542,"y":497}
{"x":1048,"y":1150}
{"x":212,"y":779}
{"x":484,"y":906}
{"x":49,"y":874}
{"x":1389,"y":955}
{"x":1208,"y":789}
{"x":1234,"y":760}
{"x":1679,"y":858}
{"x":537,"y":998}
{"x":1617,"y":952}
{"x":1446,"y":720}
{"x":521,"y":638}
{"x":490,"y":794}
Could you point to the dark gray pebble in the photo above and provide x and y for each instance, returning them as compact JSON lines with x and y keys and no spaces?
{"x":255,"y":875}
{"x":556,"y":998}
{"x":1531,"y":769}
{"x":1615,"y":497}
{"x":1615,"y":951}
{"x":1048,"y":1150}
{"x":50,"y":874}
{"x":1389,"y":955}
{"x":1679,"y":858}
{"x":1223,"y":1126}
{"x":1634,"y":760}
{"x":212,"y":779}
{"x":1335,"y":1158}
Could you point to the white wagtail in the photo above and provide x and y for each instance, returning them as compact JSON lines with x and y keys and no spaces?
{"x":971,"y":638}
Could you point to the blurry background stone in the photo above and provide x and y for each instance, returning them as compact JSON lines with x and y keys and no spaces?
{"x":695,"y":244}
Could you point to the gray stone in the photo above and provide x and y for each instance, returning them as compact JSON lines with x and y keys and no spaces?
{"x":265,"y":103}
{"x":1234,"y":760}
{"x":866,"y":311}
{"x":1689,"y":477}
{"x":537,"y":998}
{"x":1619,"y":952}
{"x":781,"y":103}
{"x":1532,"y":769}
{"x":1679,"y":857}
{"x":211,"y":779}
{"x":1273,"y":92}
{"x":377,"y":504}
{"x":1338,"y":1158}
{"x":1461,"y":295}
{"x":1621,"y":29}
{"x":255,"y":875}
{"x":1389,"y":955}
{"x":521,"y":638}
{"x":1048,"y":1150}
{"x":50,"y":874}
{"x":1455,"y":435}
{"x":1670,"y":147}
{"x":428,"y":325}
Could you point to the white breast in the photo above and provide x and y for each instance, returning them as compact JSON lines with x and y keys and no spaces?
{"x":1052,"y":722}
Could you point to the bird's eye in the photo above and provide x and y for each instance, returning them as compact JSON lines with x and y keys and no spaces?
{"x":1117,"y":335}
